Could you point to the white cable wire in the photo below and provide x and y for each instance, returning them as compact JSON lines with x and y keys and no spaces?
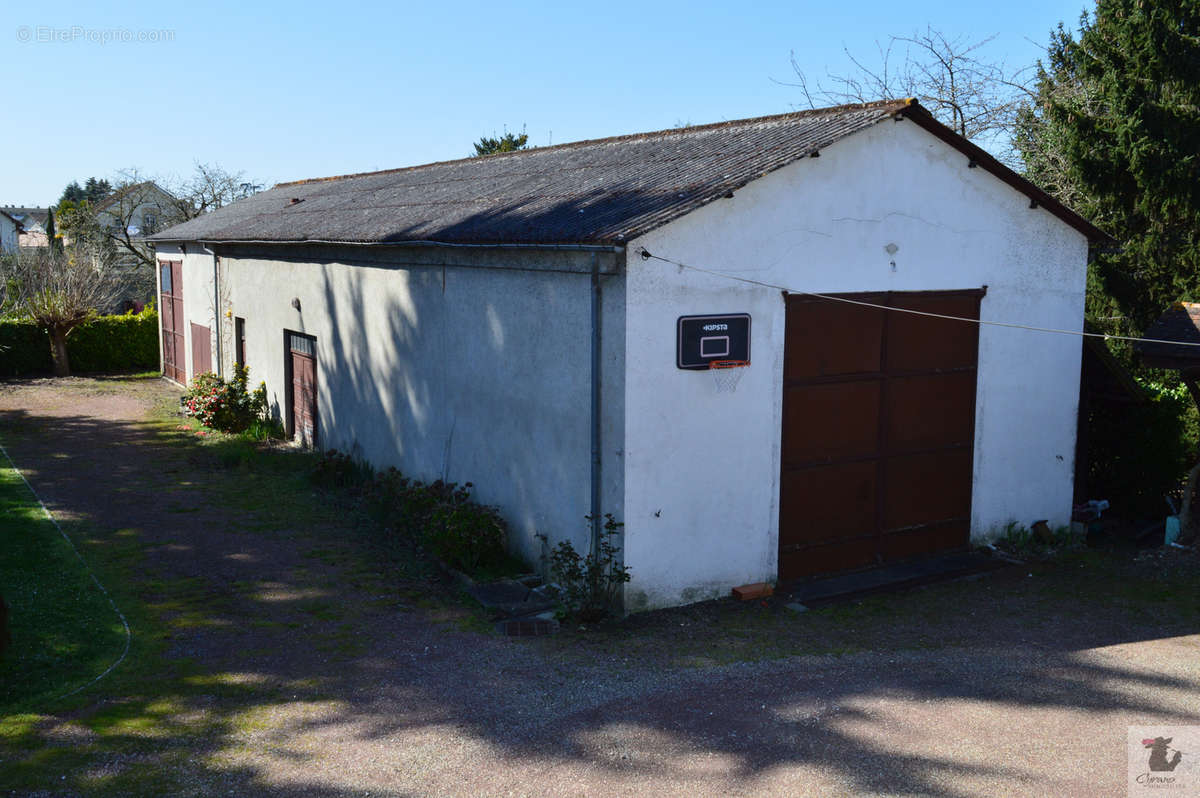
{"x":1013,"y":325}
{"x":91,"y":573}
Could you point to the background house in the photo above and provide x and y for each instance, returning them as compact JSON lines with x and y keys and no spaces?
{"x":32,"y":222}
{"x":516,"y":321}
{"x":10,"y":231}
{"x":130,"y":214}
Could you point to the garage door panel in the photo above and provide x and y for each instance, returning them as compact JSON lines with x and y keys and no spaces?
{"x":931,"y":410}
{"x":823,"y":421}
{"x":878,"y":431}
{"x":935,"y":537}
{"x":828,"y":502}
{"x":921,"y":342}
{"x":921,"y":488}
{"x":842,"y":556}
{"x":830,"y":338}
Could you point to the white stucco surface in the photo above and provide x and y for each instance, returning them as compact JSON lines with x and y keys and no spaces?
{"x":702,"y":475}
{"x":8,"y":235}
{"x":476,"y":371}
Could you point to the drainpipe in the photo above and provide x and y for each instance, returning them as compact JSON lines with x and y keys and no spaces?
{"x":217,"y":308}
{"x":597,"y":523}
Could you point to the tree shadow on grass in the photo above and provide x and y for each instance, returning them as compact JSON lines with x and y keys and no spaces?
{"x":275,"y":653}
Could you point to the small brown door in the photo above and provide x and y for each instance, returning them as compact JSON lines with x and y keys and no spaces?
{"x":878,"y":430}
{"x":302,"y":367}
{"x":201,"y":349}
{"x":171,"y":304}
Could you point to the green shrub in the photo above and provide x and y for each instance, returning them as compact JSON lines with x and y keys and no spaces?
{"x":440,"y":515}
{"x":1139,"y":453}
{"x":1021,"y":541}
{"x":105,"y":344}
{"x":226,"y":406}
{"x":464,"y":533}
{"x":25,"y":347}
{"x":589,"y":587}
{"x":265,"y":429}
{"x":338,"y":470}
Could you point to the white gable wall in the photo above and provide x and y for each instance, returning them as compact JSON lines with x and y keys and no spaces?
{"x":702,"y":469}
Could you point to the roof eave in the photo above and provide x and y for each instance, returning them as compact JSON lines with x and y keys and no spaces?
{"x":548,"y":245}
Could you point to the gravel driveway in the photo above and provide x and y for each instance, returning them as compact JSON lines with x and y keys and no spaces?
{"x":419,"y":702}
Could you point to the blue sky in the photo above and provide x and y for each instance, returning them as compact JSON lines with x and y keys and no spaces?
{"x":284,"y":91}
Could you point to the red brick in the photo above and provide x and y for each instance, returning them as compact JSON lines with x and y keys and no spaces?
{"x":755,"y":591}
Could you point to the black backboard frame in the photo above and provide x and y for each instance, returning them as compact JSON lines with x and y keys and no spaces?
{"x":696,"y":347}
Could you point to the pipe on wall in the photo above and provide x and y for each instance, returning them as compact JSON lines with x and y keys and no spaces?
{"x":217,"y":308}
{"x":596,"y":419}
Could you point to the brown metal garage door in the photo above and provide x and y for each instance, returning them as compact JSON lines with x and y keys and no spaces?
{"x":878,"y":430}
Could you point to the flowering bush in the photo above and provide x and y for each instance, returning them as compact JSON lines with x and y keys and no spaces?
{"x":226,"y":406}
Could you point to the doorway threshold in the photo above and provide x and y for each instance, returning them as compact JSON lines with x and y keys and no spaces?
{"x":888,"y":578}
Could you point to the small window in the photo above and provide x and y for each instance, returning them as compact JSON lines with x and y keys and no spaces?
{"x":165,"y":271}
{"x":239,"y":341}
{"x":302,"y":344}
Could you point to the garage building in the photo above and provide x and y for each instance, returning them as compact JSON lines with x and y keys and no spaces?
{"x":541,"y":323}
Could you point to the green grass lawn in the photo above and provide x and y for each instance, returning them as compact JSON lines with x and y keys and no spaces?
{"x":149,"y":727}
{"x":64,"y":630}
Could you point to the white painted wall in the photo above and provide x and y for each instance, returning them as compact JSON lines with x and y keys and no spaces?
{"x":702,"y":470}
{"x":476,"y":368}
{"x":8,"y":234}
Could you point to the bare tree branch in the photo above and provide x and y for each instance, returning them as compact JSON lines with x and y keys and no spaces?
{"x":976,"y":97}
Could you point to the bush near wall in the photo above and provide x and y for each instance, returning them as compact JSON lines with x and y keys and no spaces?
{"x":105,"y":344}
{"x":1139,"y":453}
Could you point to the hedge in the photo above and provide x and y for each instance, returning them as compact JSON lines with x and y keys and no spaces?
{"x":105,"y":344}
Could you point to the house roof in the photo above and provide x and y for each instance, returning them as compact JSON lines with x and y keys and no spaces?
{"x":13,"y":219}
{"x":146,"y":187}
{"x":604,"y":191}
{"x":24,"y":216}
{"x":1180,"y":323}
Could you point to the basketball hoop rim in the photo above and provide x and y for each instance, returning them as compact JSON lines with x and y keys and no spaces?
{"x":728,"y":364}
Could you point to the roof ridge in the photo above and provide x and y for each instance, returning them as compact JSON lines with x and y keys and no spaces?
{"x":896,"y":105}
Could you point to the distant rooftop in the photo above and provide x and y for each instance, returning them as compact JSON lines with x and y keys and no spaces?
{"x":25,"y":215}
{"x":1180,"y":323}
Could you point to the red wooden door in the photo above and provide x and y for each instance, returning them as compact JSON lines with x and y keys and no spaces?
{"x":171,"y":305}
{"x":201,"y":350}
{"x":878,"y":430}
{"x":302,"y":354}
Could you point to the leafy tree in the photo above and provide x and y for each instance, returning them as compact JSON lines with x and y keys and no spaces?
{"x":52,"y":238}
{"x":93,"y":190}
{"x":80,"y":226}
{"x":96,"y":190}
{"x":72,"y":193}
{"x":509,"y":142}
{"x":60,"y":289}
{"x":1116,"y":133}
